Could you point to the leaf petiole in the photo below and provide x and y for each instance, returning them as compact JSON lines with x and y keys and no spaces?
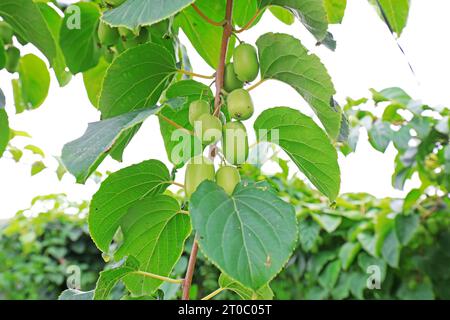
{"x":158,"y":277}
{"x":193,"y":74}
{"x":206,"y":18}
{"x":213,"y":294}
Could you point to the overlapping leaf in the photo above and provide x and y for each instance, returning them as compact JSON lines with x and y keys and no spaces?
{"x":305,"y":143}
{"x":118,"y":193}
{"x":154,"y":232}
{"x":264,"y":293}
{"x":284,"y":58}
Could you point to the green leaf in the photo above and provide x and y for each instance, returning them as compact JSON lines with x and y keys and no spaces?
{"x":204,"y":37}
{"x":380,"y":135}
{"x":258,"y":228}
{"x":35,"y":150}
{"x":34,"y":81}
{"x":54,"y":22}
{"x":4,"y":130}
{"x":329,"y":277}
{"x":348,"y":253}
{"x":27,"y":21}
{"x":329,"y":222}
{"x":73,"y":294}
{"x":365,"y":261}
{"x":109,"y":278}
{"x":420,"y":291}
{"x":82,"y":156}
{"x":310,"y":12}
{"x":93,"y":80}
{"x":394,"y":94}
{"x":154,"y":232}
{"x":319,"y":260}
{"x":305,"y":143}
{"x":264,"y":293}
{"x":308,"y":233}
{"x":136,"y":79}
{"x":118,"y":193}
{"x":335,"y":10}
{"x":391,"y":249}
{"x":394,"y":13}
{"x":244,"y":11}
{"x":135,"y":13}
{"x":282,"y":14}
{"x":284,"y":58}
{"x":180,"y":144}
{"x":367,"y":241}
{"x":406,"y":226}
{"x":37,"y":167}
{"x":78,"y":37}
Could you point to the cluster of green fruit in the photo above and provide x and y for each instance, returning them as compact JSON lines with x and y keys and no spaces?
{"x":210,"y":129}
{"x":117,"y":40}
{"x":9,"y":54}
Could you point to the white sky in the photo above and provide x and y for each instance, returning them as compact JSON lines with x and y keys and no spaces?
{"x":366,"y":57}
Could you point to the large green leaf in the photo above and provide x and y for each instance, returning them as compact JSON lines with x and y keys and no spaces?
{"x":305,"y":143}
{"x":243,"y":11}
{"x":136,"y":79}
{"x":135,"y":13}
{"x":394,"y":13}
{"x":309,"y":231}
{"x":109,"y":278}
{"x":27,"y":21}
{"x":311,"y":13}
{"x":205,"y":38}
{"x":82,"y":156}
{"x":34,"y":82}
{"x":79,"y":43}
{"x":391,"y":249}
{"x":264,"y":293}
{"x":180,"y":144}
{"x":284,"y":58}
{"x":249,"y":235}
{"x":154,"y":232}
{"x":328,"y":278}
{"x":118,"y":193}
{"x":406,"y":226}
{"x":54,"y":22}
{"x":73,"y":294}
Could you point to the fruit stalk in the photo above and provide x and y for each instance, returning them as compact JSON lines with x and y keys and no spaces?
{"x":227,"y":32}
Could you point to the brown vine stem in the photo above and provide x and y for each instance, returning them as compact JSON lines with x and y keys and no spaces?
{"x":206,"y":18}
{"x":227,"y":32}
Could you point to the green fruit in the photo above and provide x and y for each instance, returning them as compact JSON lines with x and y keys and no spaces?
{"x":208,"y":129}
{"x":143,"y":37}
{"x":197,"y":109}
{"x":2,"y":55}
{"x":115,"y":3}
{"x":107,"y":34}
{"x":6,"y":32}
{"x":12,"y":59}
{"x":240,"y":104}
{"x":235,"y":143}
{"x":231,"y":82}
{"x":228,"y":177}
{"x":246,"y":65}
{"x":198,"y":170}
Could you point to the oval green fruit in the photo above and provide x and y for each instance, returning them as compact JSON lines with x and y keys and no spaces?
{"x":107,"y":35}
{"x":6,"y":32}
{"x":198,"y":170}
{"x":228,"y":177}
{"x":231,"y":81}
{"x":240,"y":104}
{"x":196,"y":109}
{"x":235,"y":143}
{"x":208,"y":129}
{"x":12,"y":59}
{"x":246,"y":65}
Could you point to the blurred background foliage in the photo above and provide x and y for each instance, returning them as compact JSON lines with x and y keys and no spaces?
{"x":407,"y":240}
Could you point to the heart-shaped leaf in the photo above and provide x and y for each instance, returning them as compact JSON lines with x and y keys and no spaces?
{"x":154,"y":232}
{"x":305,"y":143}
{"x":249,"y":236}
{"x":118,"y":193}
